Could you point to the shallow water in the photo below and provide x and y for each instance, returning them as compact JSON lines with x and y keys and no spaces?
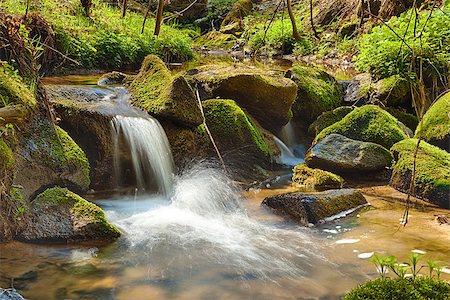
{"x":210,"y":241}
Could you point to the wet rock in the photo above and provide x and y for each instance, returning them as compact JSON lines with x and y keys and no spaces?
{"x":114,"y":78}
{"x":196,"y":10}
{"x":315,"y":208}
{"x":339,"y":154}
{"x":317,"y":92}
{"x":432,"y":178}
{"x":59,"y":215}
{"x":163,"y":95}
{"x":316,"y":178}
{"x":435,"y":126}
{"x":354,"y":91}
{"x":368,"y":123}
{"x":10,"y":294}
{"x":267,"y":96}
{"x":47,"y":155}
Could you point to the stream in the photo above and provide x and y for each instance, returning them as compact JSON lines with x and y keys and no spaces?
{"x":200,"y":237}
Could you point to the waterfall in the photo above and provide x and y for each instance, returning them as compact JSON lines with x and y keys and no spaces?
{"x":288,"y":135}
{"x":149,"y":148}
{"x":287,"y":157}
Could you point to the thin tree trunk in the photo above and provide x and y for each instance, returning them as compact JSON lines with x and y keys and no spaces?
{"x":124,"y":8}
{"x":145,"y":17}
{"x":362,"y":14}
{"x":159,"y":16}
{"x":311,"y":19}
{"x":294,"y":25}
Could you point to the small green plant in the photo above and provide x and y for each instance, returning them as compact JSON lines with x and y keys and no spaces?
{"x":402,"y":288}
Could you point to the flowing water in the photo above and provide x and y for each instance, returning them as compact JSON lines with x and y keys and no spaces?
{"x":150,"y":151}
{"x":201,"y":237}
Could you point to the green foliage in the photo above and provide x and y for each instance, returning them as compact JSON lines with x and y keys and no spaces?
{"x":12,"y":88}
{"x":384,"y":54}
{"x":217,"y":9}
{"x":6,"y":158}
{"x":278,"y":38}
{"x":402,"y":288}
{"x":368,"y":123}
{"x":106,"y":40}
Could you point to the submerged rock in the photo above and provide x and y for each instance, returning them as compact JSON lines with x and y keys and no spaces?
{"x":435,"y":126}
{"x":315,"y":208}
{"x":163,"y":95}
{"x":342,"y":155}
{"x":267,"y":96}
{"x":317,"y":92}
{"x":432,"y":178}
{"x":318,"y":179}
{"x":60,"y":215}
{"x":368,"y":123}
{"x":114,"y":78}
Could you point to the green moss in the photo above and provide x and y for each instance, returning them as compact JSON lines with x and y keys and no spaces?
{"x":368,"y":123}
{"x":12,"y":89}
{"x":317,"y":92}
{"x":401,"y":289}
{"x":215,"y":40}
{"x":393,"y":90}
{"x":80,"y":208}
{"x":328,"y":118}
{"x":58,"y":150}
{"x":239,"y":10}
{"x":432,"y":180}
{"x":304,"y":175}
{"x":6,"y":157}
{"x":158,"y":92}
{"x":230,"y":125}
{"x":436,"y":121}
{"x":410,"y":120}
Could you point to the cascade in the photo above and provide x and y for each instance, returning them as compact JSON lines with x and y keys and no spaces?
{"x":287,"y":157}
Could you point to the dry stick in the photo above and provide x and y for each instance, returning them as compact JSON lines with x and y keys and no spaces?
{"x":209,"y":132}
{"x":124,"y":8}
{"x":391,"y":29}
{"x":295,"y":33}
{"x":146,"y":16}
{"x":362,"y":14}
{"x":178,"y":13}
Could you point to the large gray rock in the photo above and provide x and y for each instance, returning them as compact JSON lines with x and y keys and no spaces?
{"x":10,"y":294}
{"x":314,"y":208}
{"x":339,"y":154}
{"x":59,"y":215}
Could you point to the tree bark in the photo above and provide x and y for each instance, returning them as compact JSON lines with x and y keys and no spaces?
{"x":291,"y":16}
{"x":124,"y":8}
{"x":159,"y":16}
{"x":311,"y":19}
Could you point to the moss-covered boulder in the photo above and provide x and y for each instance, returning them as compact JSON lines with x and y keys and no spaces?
{"x":115,"y":78}
{"x":238,"y":138}
{"x":239,"y":10}
{"x":432,"y":179}
{"x":328,"y":118}
{"x":411,"y":121}
{"x":163,"y":95}
{"x":187,"y":144}
{"x":315,"y":208}
{"x":317,"y":92}
{"x":60,"y":215}
{"x":435,"y":126}
{"x":267,"y":96}
{"x":368,"y":123}
{"x":392,"y":91}
{"x":342,"y":155}
{"x":316,"y":178}
{"x":47,"y":155}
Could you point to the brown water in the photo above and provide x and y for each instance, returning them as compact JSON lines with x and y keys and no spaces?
{"x":208,"y":252}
